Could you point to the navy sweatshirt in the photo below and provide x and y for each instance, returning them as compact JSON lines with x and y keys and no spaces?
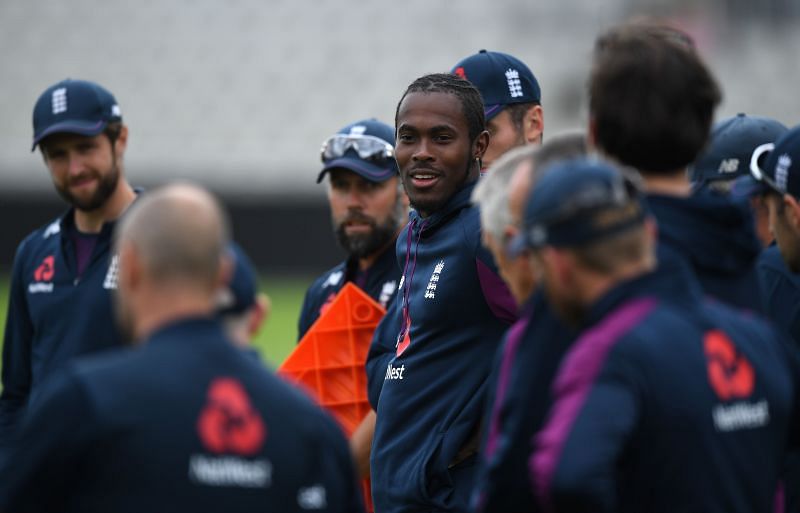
{"x":452,"y":312}
{"x":667,"y":404}
{"x":524,"y":368}
{"x":54,"y":314}
{"x":716,"y":237}
{"x":379,"y":282}
{"x":187,"y":422}
{"x":781,"y":291}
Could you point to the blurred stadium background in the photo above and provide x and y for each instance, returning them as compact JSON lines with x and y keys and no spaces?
{"x":238,"y":95}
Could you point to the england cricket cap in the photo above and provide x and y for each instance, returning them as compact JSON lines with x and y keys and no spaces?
{"x":577,"y":202}
{"x":240,"y":293}
{"x":365,"y":147}
{"x":781,"y":169}
{"x":502,"y":79}
{"x":733,"y":140}
{"x":73,"y":106}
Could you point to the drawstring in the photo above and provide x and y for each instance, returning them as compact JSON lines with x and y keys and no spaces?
{"x":407,"y":284}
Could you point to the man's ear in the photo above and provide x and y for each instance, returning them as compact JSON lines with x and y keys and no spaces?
{"x":533,"y":125}
{"x":792,"y":209}
{"x":122,"y":142}
{"x":481,"y":143}
{"x":591,"y":133}
{"x":259,"y":314}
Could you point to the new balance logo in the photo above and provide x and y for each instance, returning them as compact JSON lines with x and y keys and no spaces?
{"x":333,"y":279}
{"x":112,"y":275}
{"x":728,"y":166}
{"x":514,"y":84}
{"x":386,"y":292}
{"x":430,"y":290}
{"x":59,"y":100}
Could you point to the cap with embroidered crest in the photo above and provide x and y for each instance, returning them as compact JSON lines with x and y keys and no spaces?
{"x":73,"y":106}
{"x":781,"y":169}
{"x":502,"y":79}
{"x":365,"y":147}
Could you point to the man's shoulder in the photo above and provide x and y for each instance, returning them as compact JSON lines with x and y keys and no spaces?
{"x":332,"y":279}
{"x":47,"y":235}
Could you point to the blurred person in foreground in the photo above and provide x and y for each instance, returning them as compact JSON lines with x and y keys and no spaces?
{"x":519,"y":393}
{"x":666,"y":402}
{"x":511,"y":97}
{"x":775,"y":169}
{"x":368,"y":210}
{"x":185,"y":421}
{"x":64,"y":273}
{"x":428,"y":381}
{"x":651,"y":102}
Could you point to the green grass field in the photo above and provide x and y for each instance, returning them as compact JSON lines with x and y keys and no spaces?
{"x":277,"y":337}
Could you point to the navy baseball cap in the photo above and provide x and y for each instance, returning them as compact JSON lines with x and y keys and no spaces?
{"x":365,"y":147}
{"x":73,"y":106}
{"x":576,"y":202}
{"x":781,"y":169}
{"x":732,"y":143}
{"x":502,"y":79}
{"x":240,"y":293}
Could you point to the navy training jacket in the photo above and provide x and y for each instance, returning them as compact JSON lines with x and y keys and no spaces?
{"x":379,"y":282}
{"x":668,"y":405}
{"x":716,"y":237}
{"x":454,"y":309}
{"x":524,"y":368}
{"x":187,"y":422}
{"x":781,"y":291}
{"x":53,"y":315}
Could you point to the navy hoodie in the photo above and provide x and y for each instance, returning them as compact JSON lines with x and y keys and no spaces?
{"x":702,"y":400}
{"x":187,"y":422}
{"x":524,"y":368}
{"x":54,"y":314}
{"x":379,"y":282}
{"x":716,"y":237}
{"x":452,"y":312}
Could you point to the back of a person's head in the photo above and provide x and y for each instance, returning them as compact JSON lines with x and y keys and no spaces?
{"x":566,"y":146}
{"x":651,"y":98}
{"x":180,"y":233}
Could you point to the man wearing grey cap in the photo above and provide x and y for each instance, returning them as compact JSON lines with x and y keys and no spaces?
{"x":64,"y":272}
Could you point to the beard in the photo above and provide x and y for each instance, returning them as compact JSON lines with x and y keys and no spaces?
{"x":378,"y":237}
{"x":106,"y":185}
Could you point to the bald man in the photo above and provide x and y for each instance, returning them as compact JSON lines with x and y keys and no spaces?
{"x":184,"y":421}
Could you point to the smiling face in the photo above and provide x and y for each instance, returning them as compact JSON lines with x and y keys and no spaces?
{"x":85,"y":170}
{"x":433,"y":149}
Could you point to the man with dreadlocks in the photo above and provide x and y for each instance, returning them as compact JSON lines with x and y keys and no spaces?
{"x":432,"y":354}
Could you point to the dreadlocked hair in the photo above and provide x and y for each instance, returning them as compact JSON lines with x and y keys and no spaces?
{"x":464,"y":91}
